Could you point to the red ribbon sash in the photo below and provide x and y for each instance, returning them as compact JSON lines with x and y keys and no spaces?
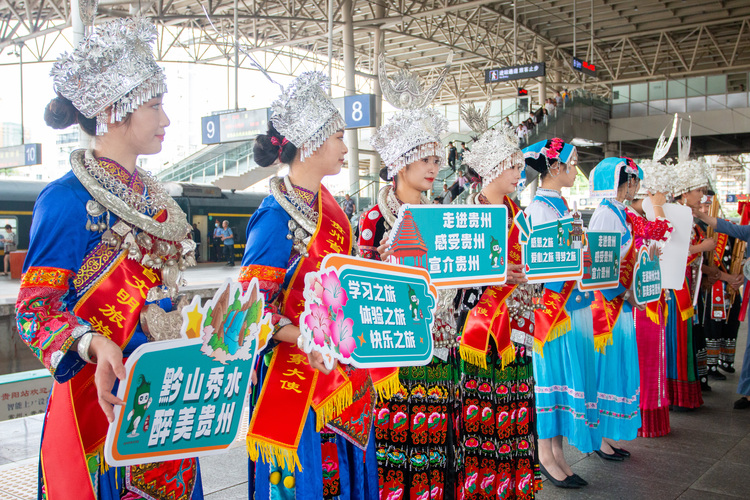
{"x":291,"y":383}
{"x":721,"y":247}
{"x":490,"y":317}
{"x":718,"y":305}
{"x":78,"y":426}
{"x":552,"y":321}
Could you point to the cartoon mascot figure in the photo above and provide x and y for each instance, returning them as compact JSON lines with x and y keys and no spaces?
{"x":141,"y":401}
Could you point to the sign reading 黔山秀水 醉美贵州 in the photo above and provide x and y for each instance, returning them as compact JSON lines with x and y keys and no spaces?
{"x":647,"y":276}
{"x":458,"y":245}
{"x":184,"y":398}
{"x":368,"y":314}
{"x":552,"y":251}
{"x":601,"y":261}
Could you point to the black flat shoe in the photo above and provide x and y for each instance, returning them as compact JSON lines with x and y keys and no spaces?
{"x":578,"y":480}
{"x":568,"y":482}
{"x":621,"y":451}
{"x":705,"y":387}
{"x":742,"y":404}
{"x":727,"y":368}
{"x":614,"y":457}
{"x":716,"y":374}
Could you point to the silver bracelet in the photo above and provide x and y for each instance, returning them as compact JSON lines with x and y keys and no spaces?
{"x":83,"y":346}
{"x":626,"y":295}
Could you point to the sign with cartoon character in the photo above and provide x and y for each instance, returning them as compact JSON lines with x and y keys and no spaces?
{"x":601,"y":261}
{"x":184,"y":397}
{"x":552,"y":251}
{"x":458,"y":245}
{"x":368,"y":314}
{"x":647,"y":283}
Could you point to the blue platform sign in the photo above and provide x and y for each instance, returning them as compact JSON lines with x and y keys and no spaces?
{"x":22,"y":155}
{"x":238,"y":126}
{"x":358,"y":110}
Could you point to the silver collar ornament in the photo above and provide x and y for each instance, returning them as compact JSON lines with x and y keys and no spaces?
{"x":112,"y":67}
{"x":166,"y":246}
{"x":305,"y":115}
{"x":414,"y":132}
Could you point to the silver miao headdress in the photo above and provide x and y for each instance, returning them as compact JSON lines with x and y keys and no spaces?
{"x":495,"y":151}
{"x":414,"y":132}
{"x":305,"y":115}
{"x":658,"y":177}
{"x":689,"y":174}
{"x":113,"y":66}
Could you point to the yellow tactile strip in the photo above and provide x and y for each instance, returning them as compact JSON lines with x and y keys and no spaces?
{"x":19,"y":480}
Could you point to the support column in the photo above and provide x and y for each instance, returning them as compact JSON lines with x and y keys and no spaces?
{"x":372,"y":192}
{"x":352,"y":141}
{"x":542,"y":79}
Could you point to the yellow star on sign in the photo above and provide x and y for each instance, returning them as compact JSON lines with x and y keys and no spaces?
{"x":195,"y":319}
{"x":361,"y":339}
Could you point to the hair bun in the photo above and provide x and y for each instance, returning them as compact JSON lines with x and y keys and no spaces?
{"x":60,"y":113}
{"x":266,"y":153}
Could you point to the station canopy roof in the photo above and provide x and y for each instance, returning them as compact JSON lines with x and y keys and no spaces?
{"x":633,"y":40}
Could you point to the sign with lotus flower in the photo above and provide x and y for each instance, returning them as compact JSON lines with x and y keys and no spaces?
{"x":368,"y":314}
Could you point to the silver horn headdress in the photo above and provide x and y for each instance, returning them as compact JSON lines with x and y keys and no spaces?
{"x":689,"y":174}
{"x":113,"y":66}
{"x":415,"y":131}
{"x":658,"y":177}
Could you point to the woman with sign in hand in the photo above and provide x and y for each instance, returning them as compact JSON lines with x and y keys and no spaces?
{"x":414,"y":420}
{"x":288,"y":237}
{"x":690,"y":179}
{"x":105,"y":239}
{"x":497,"y":343}
{"x":564,"y":367}
{"x":618,"y":381}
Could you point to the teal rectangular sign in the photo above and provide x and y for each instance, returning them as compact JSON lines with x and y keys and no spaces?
{"x":601,"y":261}
{"x":647,"y":277}
{"x":461,"y":245}
{"x":552,"y":252}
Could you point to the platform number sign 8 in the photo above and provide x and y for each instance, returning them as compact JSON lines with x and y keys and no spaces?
{"x":359,"y":110}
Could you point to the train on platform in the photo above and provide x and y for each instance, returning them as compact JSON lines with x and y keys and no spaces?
{"x":203,"y":205}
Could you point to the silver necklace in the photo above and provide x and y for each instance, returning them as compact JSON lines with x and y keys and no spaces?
{"x":151,"y":203}
{"x":302,"y":224}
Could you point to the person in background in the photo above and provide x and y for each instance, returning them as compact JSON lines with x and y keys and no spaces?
{"x":197,"y":240}
{"x":723,"y":226}
{"x":549,"y":107}
{"x":508,"y":123}
{"x":558,"y":98}
{"x":349,"y":206}
{"x":9,"y":245}
{"x":452,"y":153}
{"x":446,"y":195}
{"x":217,"y":241}
{"x":227,"y":237}
{"x":461,"y":180}
{"x":461,"y":153}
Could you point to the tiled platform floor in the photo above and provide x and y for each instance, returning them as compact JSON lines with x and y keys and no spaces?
{"x":707,"y":455}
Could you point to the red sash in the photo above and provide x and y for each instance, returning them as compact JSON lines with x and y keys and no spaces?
{"x":721,"y":248}
{"x":606,"y":313}
{"x":291,"y":383}
{"x":552,"y":321}
{"x":77,"y":426}
{"x":490,"y":317}
{"x":658,"y":308}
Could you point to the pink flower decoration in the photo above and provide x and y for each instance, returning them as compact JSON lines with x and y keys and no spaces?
{"x":471,"y":479}
{"x":555,"y":147}
{"x":333,"y":295}
{"x":487,"y":481}
{"x":319,"y":322}
{"x":395,"y":494}
{"x":424,"y":496}
{"x":341,"y":334}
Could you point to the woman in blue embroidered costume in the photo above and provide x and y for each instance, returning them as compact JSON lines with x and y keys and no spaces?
{"x":618,"y":375}
{"x":320,"y":445}
{"x":80,"y":299}
{"x":564,"y":367}
{"x":497,"y":382}
{"x":414,"y":419}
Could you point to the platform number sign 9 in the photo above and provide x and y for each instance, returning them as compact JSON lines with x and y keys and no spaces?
{"x":210,"y":129}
